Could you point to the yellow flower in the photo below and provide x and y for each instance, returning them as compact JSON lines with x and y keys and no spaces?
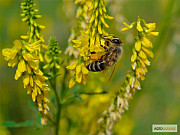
{"x":148,"y":52}
{"x":150,"y":26}
{"x":83,"y":45}
{"x":142,"y":55}
{"x":72,"y":66}
{"x":9,"y":53}
{"x":154,"y":33}
{"x":18,"y":45}
{"x":71,"y":83}
{"x":133,"y":58}
{"x":146,"y":42}
{"x":80,"y":73}
{"x":139,"y":27}
{"x":138,"y":45}
{"x":127,"y":26}
{"x":137,"y":84}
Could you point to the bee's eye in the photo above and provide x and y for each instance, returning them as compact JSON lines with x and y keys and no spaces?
{"x":107,"y":43}
{"x":116,"y":41}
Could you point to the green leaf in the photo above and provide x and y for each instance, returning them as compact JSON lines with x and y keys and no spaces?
{"x":31,"y":106}
{"x":78,"y":97}
{"x":16,"y":125}
{"x":50,"y":77}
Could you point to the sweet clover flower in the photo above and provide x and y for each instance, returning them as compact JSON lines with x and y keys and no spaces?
{"x":27,"y":55}
{"x":91,"y":36}
{"x":141,"y":51}
{"x":28,"y":66}
{"x":30,"y":15}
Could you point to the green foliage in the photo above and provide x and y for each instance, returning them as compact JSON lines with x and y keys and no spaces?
{"x":17,"y":125}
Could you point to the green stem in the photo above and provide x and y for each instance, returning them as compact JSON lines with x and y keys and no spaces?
{"x":58,"y":103}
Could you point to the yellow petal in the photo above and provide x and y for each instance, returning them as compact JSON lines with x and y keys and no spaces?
{"x":18,"y":74}
{"x":79,"y":12}
{"x":46,"y":100}
{"x":148,"y":52}
{"x":137,"y":85}
{"x":29,"y":90}
{"x":138,"y":45}
{"x":150,"y":25}
{"x":41,"y":57}
{"x":99,"y":29}
{"x":27,"y":56}
{"x":146,"y":42}
{"x":71,"y":83}
{"x":84,"y":79}
{"x":34,"y":93}
{"x":29,"y":49}
{"x":57,"y":66}
{"x":133,"y":57}
{"x":105,"y":24}
{"x":142,"y":55}
{"x":154,"y":33}
{"x":22,"y":66}
{"x":79,"y":77}
{"x":9,"y":53}
{"x":28,"y":68}
{"x":13,"y":62}
{"x":92,"y":19}
{"x":26,"y":79}
{"x":72,"y":66}
{"x":134,"y":65}
{"x":46,"y":66}
{"x":31,"y":81}
{"x":18,"y":45}
{"x":84,"y":70}
{"x":147,"y":62}
{"x":131,"y":81}
{"x":24,"y":37}
{"x":38,"y":82}
{"x":142,"y":63}
{"x":34,"y":64}
{"x":38,"y":72}
{"x":125,"y":29}
{"x":108,"y":17}
{"x":78,"y":69}
{"x":139,"y":27}
{"x":76,"y":41}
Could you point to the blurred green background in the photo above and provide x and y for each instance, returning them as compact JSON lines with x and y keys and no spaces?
{"x":157,"y":103}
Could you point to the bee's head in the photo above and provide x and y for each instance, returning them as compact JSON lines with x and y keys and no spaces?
{"x":113,"y":42}
{"x":116,"y":41}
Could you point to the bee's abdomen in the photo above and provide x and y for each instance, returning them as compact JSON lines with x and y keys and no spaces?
{"x":96,"y":66}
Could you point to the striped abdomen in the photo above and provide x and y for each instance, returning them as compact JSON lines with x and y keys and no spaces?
{"x":96,"y":66}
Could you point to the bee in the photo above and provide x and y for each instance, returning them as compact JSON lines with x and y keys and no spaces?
{"x":113,"y":53}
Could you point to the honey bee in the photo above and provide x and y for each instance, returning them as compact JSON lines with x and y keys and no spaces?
{"x":113,"y":53}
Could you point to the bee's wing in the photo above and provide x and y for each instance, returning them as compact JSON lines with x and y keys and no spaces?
{"x":114,"y":66}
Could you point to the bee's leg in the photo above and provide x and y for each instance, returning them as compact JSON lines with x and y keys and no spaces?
{"x":93,"y":52}
{"x":104,"y":48}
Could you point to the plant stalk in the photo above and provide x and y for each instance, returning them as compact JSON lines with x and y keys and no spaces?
{"x":58,"y":113}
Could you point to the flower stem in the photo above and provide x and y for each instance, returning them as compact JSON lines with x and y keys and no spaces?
{"x":58,"y":103}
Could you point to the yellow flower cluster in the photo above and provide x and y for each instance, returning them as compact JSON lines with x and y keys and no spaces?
{"x":83,"y":16}
{"x":29,"y":15}
{"x":90,"y":40}
{"x":83,"y":45}
{"x":131,"y":84}
{"x":96,"y":25}
{"x":80,"y":73}
{"x":22,"y":54}
{"x":52,"y":55}
{"x":142,"y":48}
